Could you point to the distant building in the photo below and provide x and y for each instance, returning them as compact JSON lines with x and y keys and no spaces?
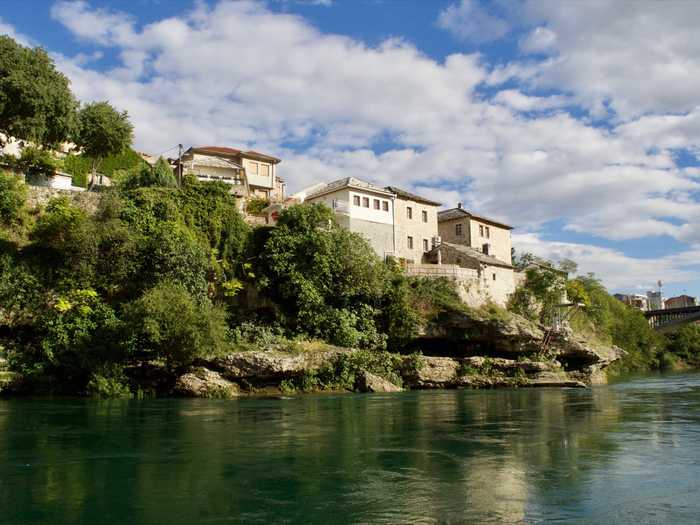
{"x":681,"y":301}
{"x":638,"y":301}
{"x":654,"y":300}
{"x":251,"y":174}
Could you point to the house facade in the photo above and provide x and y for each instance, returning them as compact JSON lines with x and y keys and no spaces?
{"x":459,"y":226}
{"x":416,"y":224}
{"x":250,"y":174}
{"x":360,"y":207}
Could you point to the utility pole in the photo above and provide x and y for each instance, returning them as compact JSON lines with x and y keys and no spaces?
{"x":179,"y":165}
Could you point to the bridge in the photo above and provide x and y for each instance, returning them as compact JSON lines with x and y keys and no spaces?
{"x":662,"y":319}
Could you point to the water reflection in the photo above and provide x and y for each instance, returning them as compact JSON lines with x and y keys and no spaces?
{"x":507,"y":456}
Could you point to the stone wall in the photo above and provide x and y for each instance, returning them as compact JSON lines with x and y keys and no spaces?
{"x":38,"y":196}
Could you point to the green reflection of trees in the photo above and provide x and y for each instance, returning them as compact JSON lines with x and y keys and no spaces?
{"x":448,"y":456}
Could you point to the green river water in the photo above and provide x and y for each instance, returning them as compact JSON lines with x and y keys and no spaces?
{"x":624,"y":453}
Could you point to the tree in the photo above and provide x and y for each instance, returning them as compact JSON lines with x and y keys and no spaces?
{"x":328,"y":280}
{"x":36,"y":103}
{"x":102,"y":131}
{"x":169,"y":323}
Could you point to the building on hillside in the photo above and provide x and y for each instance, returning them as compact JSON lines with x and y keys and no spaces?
{"x":415,"y":223}
{"x":681,"y":301}
{"x":251,"y":174}
{"x":459,"y":226}
{"x":360,"y":207}
{"x":496,"y":280}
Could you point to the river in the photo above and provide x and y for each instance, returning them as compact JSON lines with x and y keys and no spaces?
{"x":623,"y":453}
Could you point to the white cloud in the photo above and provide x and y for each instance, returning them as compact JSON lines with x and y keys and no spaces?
{"x":519,"y":101}
{"x":468,"y":20}
{"x":539,"y":40}
{"x":630,"y":57}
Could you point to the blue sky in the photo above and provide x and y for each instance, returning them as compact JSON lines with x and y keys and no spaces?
{"x":579,"y":123}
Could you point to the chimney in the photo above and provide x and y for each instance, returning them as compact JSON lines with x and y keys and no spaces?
{"x":459,"y":205}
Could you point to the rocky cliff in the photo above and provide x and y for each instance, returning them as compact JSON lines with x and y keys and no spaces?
{"x":479,"y":352}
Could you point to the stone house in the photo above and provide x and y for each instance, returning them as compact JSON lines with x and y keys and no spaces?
{"x":488,"y":236}
{"x":416,"y":224}
{"x":250,"y":173}
{"x":494,"y":278}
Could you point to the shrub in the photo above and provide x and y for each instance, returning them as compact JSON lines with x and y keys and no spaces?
{"x":256,"y":205}
{"x":684,"y":343}
{"x":13,"y":196}
{"x":327,"y":280}
{"x":167,"y":322}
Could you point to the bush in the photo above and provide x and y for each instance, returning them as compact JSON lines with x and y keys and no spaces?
{"x":256,"y":205}
{"x":167,"y":322}
{"x":684,"y":344}
{"x":13,"y":196}
{"x":327,"y":280}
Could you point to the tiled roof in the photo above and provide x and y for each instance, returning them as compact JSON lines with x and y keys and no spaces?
{"x":347,"y":182}
{"x":456,"y":213}
{"x":406,"y":195}
{"x":474,"y":254}
{"x":232,"y":152}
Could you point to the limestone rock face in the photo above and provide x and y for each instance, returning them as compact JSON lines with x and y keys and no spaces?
{"x":202,"y":382}
{"x":505,"y":335}
{"x":272,"y":365}
{"x":368,"y":382}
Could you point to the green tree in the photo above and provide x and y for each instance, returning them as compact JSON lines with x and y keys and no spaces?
{"x":167,"y":322}
{"x":102,"y":131}
{"x":36,"y":103}
{"x":684,"y":343}
{"x":328,"y":280}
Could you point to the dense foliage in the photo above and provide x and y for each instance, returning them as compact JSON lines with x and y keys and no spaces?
{"x":36,"y":103}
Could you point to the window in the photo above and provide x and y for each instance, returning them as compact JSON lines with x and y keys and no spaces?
{"x":425,"y":216}
{"x":385,"y":205}
{"x":356,"y":200}
{"x":376,"y":204}
{"x":265,"y":170}
{"x":254,"y":168}
{"x":458,"y":230}
{"x":409,"y":212}
{"x":485,"y":249}
{"x":494,"y":276}
{"x":425,"y":245}
{"x":488,"y":233}
{"x":481,"y":230}
{"x":409,"y":242}
{"x":365,"y":202}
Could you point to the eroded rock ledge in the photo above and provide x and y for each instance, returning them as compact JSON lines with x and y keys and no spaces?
{"x":481,"y":352}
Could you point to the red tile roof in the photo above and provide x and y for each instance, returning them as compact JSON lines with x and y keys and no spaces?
{"x":232,"y":152}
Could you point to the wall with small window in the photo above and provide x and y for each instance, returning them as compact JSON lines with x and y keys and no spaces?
{"x":491,"y":239}
{"x":259,"y":173}
{"x":370,"y":206}
{"x":418,"y":221}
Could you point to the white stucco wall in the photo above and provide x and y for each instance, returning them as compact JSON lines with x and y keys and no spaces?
{"x":374,"y":225}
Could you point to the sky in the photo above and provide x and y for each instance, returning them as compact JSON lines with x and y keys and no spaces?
{"x":576,"y":122}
